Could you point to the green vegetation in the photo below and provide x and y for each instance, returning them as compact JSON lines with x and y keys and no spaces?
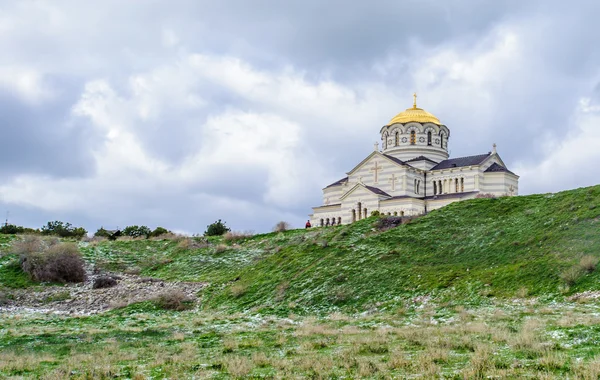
{"x":500,"y":288}
{"x":465,"y":252}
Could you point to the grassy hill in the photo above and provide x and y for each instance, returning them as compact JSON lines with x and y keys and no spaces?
{"x":433,"y":298}
{"x":467,"y":252}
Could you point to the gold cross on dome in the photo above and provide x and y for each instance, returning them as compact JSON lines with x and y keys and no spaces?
{"x":415,"y":100}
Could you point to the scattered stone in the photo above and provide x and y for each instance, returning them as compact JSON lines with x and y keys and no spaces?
{"x":104,"y":282}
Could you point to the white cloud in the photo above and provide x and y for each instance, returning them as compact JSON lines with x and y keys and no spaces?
{"x":27,"y":83}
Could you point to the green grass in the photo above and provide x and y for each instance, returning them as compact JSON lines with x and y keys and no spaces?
{"x":465,"y":252}
{"x":434,"y":297}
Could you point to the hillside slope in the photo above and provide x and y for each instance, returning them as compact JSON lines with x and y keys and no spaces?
{"x":467,"y":251}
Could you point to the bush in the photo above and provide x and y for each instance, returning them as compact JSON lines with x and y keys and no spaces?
{"x":375,"y":213}
{"x":571,"y":275}
{"x":137,"y":231}
{"x":104,"y":282}
{"x":159,"y":231}
{"x":58,"y":263}
{"x":28,"y":244}
{"x":173,"y":300}
{"x":237,"y":235}
{"x":61,"y":229}
{"x":218,"y":228}
{"x":388,"y":222}
{"x":588,"y":263}
{"x":11,"y":229}
{"x":281,"y":227}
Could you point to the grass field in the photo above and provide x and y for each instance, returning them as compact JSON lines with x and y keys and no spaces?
{"x":500,"y":288}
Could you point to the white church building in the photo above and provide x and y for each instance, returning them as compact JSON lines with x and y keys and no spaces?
{"x":412,"y":174}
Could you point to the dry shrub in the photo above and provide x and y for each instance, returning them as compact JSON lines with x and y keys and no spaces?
{"x":238,"y":290}
{"x":571,"y":275}
{"x":191,"y":243}
{"x":233,"y":236}
{"x":281,"y":226}
{"x":104,"y":282}
{"x":237,"y":366}
{"x":28,"y":244}
{"x":58,"y":263}
{"x":588,"y":263}
{"x":220,"y":248}
{"x":173,"y":299}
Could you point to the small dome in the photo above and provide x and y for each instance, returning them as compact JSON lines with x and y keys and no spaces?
{"x":415,"y":114}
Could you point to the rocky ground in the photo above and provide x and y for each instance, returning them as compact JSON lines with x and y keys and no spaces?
{"x":83,"y":299}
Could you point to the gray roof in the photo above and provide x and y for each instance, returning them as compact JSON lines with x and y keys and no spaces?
{"x":377,"y":191}
{"x":422,"y":158}
{"x":394,"y":159}
{"x":338,"y":182}
{"x":461,"y":161}
{"x":495,"y":167}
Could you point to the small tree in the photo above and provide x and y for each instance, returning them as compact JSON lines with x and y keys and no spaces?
{"x":137,"y":231}
{"x":159,"y":231}
{"x":62,"y":229}
{"x":11,"y":229}
{"x":281,"y":226}
{"x":218,"y":228}
{"x":102,"y":233}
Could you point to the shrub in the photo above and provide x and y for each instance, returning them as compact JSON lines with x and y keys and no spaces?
{"x":61,"y":229}
{"x":11,"y":229}
{"x":221,"y":248}
{"x":27,"y":245}
{"x":388,"y":222}
{"x":104,"y":282}
{"x":137,"y":231}
{"x":217,"y":228}
{"x":588,"y":263}
{"x":58,"y":263}
{"x":236,"y":236}
{"x":159,"y":231}
{"x":173,"y":299}
{"x":281,"y":226}
{"x":375,"y":213}
{"x":571,"y":275}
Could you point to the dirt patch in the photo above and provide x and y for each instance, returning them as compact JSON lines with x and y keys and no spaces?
{"x":83,"y":299}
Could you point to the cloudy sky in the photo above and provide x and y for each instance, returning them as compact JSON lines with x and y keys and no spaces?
{"x":178,"y":113}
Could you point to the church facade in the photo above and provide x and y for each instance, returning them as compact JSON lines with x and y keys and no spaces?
{"x":412,"y":174}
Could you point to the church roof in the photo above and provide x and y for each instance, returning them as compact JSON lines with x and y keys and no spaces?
{"x":421,"y":158}
{"x":415,"y":114}
{"x":338,"y":182}
{"x":461,"y":161}
{"x":377,"y":191}
{"x":495,"y":167}
{"x":394,"y":159}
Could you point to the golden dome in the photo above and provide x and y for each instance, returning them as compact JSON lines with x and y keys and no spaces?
{"x":415,"y":114}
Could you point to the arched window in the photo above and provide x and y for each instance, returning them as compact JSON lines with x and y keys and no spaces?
{"x":389,"y":213}
{"x":434,"y":188}
{"x":456,"y":185}
{"x":384,"y":142}
{"x":327,"y":222}
{"x":322,"y":222}
{"x":359,"y":210}
{"x":413,"y":137}
{"x":429,"y":138}
{"x":401,"y":213}
{"x":365,"y":212}
{"x":397,"y":138}
{"x":353,"y":216}
{"x":442,"y":142}
{"x":339,"y":220}
{"x":333,"y":221}
{"x":415,"y":186}
{"x":440,"y":188}
{"x":462,"y":185}
{"x":395,"y":213}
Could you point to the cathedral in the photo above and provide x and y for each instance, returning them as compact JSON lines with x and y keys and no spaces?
{"x":412,"y":174}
